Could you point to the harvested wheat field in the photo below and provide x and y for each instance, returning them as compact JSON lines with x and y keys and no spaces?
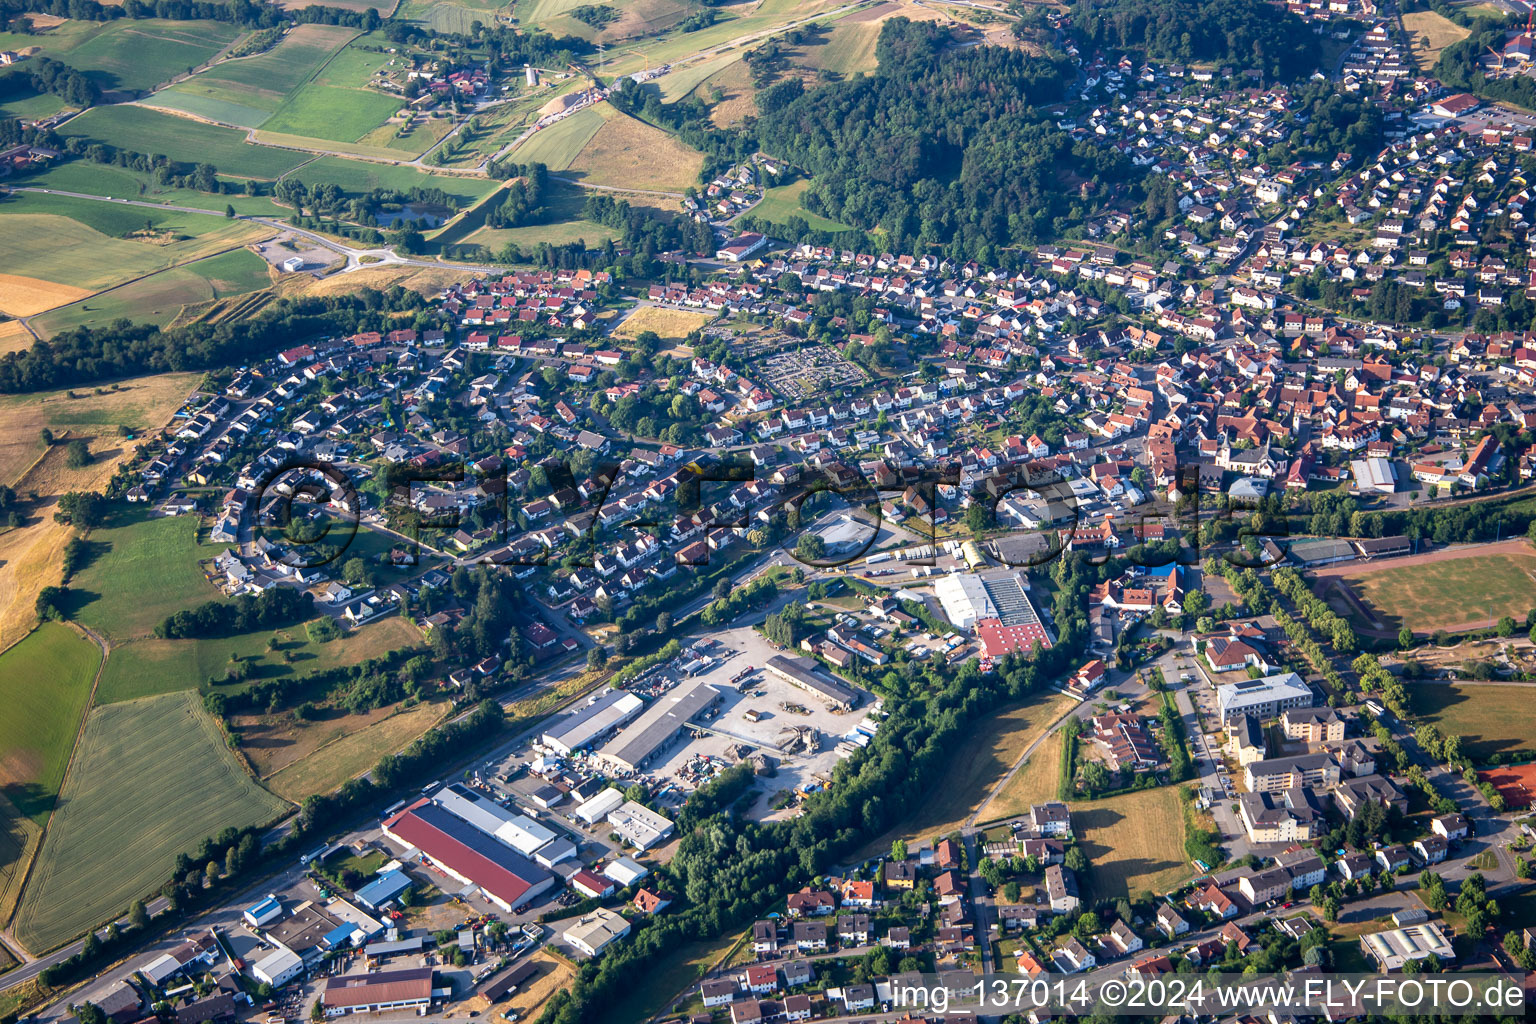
{"x":14,"y":337}
{"x":25,"y":296}
{"x":628,"y":153}
{"x":30,"y":555}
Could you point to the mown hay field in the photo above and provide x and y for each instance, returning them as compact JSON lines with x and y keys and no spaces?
{"x":626,"y":152}
{"x":1488,"y":719}
{"x":352,"y":754}
{"x":30,"y":556}
{"x":151,"y":778}
{"x":669,"y":324}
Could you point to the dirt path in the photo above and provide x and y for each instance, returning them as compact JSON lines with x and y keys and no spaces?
{"x":1002,"y":783}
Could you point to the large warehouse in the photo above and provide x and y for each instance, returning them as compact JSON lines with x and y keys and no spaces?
{"x":584,"y":726}
{"x":809,"y":675}
{"x":518,"y":831}
{"x":654,"y":730}
{"x":409,"y":989}
{"x":464,"y":852}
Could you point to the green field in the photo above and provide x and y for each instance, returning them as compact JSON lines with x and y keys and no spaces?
{"x":141,"y":129}
{"x":1489,"y":719}
{"x":45,"y":683}
{"x":29,"y":105}
{"x":337,"y":103}
{"x":157,"y":299}
{"x":121,"y":183}
{"x":248,"y":91}
{"x":152,"y":666}
{"x":137,"y":55}
{"x":558,"y":145}
{"x":567,"y":225}
{"x":358,"y":176}
{"x":678,"y":84}
{"x":151,"y":779}
{"x":130,"y":55}
{"x":1135,"y":842}
{"x":58,"y":248}
{"x":781,"y":203}
{"x":141,"y":570}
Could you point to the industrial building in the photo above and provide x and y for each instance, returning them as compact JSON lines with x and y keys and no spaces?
{"x":1392,"y":949}
{"x":597,"y":808}
{"x":638,"y":825}
{"x":592,"y":933}
{"x":385,"y":990}
{"x":654,"y":730}
{"x":1373,"y":475}
{"x":383,"y":889}
{"x":810,"y":676}
{"x":518,"y":831}
{"x":1263,"y":698}
{"x":278,"y":967}
{"x":584,"y":726}
{"x":997,"y":607}
{"x":472,"y":856}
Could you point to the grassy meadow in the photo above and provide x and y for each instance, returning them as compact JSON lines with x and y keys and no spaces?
{"x":45,"y":682}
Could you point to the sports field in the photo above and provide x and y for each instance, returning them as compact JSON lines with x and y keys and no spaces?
{"x":352,"y":754}
{"x":248,"y":91}
{"x":626,"y":152}
{"x":159,"y":298}
{"x":45,"y":682}
{"x":1134,"y":841}
{"x":140,"y":129}
{"x":1458,"y":589}
{"x":152,"y":777}
{"x":141,"y":668}
{"x":1489,"y":718}
{"x":1515,"y":783}
{"x":141,"y":569}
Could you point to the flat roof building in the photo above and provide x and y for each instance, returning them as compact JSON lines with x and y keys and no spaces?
{"x":592,"y":933}
{"x":650,"y":733}
{"x":278,"y":967}
{"x":584,"y":726}
{"x":638,"y":825}
{"x":596,"y":809}
{"x":517,"y":830}
{"x":1264,"y":698}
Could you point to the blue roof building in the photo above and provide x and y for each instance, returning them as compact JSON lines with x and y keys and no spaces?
{"x":383,"y":889}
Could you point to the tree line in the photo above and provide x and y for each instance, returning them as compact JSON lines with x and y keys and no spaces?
{"x":1247,"y":35}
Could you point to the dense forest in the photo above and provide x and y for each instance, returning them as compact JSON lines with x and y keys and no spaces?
{"x":1245,"y":34}
{"x":939,"y":147}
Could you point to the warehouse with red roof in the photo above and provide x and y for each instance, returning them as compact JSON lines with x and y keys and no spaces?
{"x":454,"y":846}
